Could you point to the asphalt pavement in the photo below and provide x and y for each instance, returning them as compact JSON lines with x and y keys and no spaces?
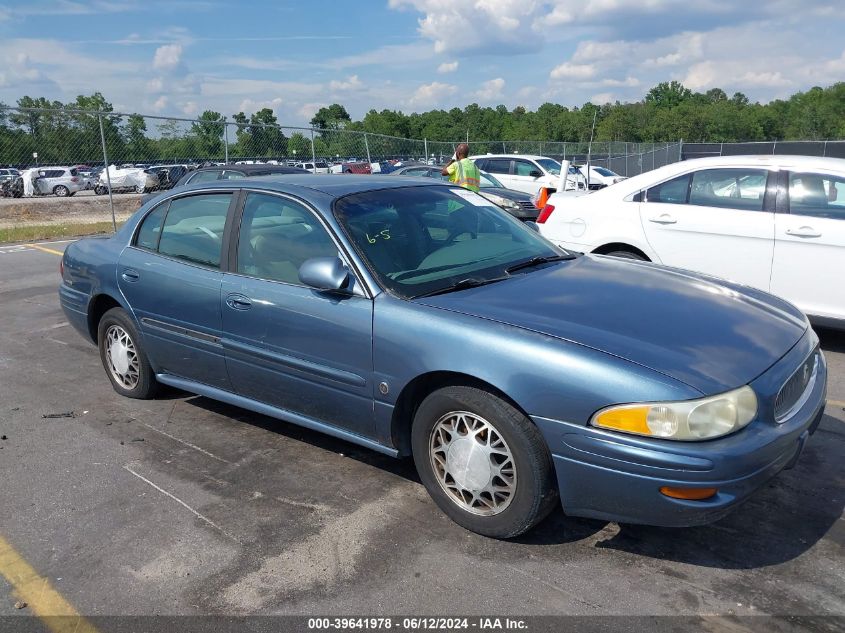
{"x":182,"y":505}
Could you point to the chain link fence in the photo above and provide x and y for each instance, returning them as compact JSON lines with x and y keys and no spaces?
{"x":53,"y":179}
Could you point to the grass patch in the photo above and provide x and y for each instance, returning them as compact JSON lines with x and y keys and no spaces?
{"x":52,"y":231}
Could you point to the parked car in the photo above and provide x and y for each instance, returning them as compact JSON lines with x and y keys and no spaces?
{"x":351,"y":167}
{"x":8,"y":173}
{"x":320,"y":167}
{"x":773,"y":222}
{"x":599,"y":177}
{"x":168,"y":175}
{"x":126,"y":180}
{"x":529,"y":173}
{"x":518,"y":203}
{"x":59,"y":181}
{"x":413,"y":318}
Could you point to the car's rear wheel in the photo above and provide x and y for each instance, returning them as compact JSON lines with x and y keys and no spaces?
{"x":483,"y":462}
{"x":123,"y":356}
{"x":61,"y":191}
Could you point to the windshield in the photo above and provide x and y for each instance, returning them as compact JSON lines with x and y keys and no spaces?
{"x":424,"y":239}
{"x":550,"y":165}
{"x":487,"y":180}
{"x":604,"y":172}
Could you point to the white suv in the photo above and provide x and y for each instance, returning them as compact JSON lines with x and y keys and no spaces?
{"x":60,"y":181}
{"x":528,"y":173}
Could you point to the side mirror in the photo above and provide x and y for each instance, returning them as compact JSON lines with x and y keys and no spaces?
{"x":324,"y":273}
{"x":531,"y":224}
{"x":534,"y":173}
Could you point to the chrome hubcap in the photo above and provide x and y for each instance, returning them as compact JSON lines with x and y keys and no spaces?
{"x":473,"y":463}
{"x":122,"y":357}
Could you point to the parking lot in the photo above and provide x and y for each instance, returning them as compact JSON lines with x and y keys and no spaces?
{"x":186,"y":506}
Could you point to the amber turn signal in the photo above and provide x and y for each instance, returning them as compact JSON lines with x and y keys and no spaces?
{"x":692,"y":494}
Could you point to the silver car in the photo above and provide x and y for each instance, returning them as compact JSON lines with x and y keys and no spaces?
{"x":60,"y":181}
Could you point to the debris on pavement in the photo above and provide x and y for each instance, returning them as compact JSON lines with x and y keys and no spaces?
{"x":63,"y":414}
{"x":20,"y":604}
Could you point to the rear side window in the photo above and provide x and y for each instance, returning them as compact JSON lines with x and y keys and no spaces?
{"x":193,"y":228}
{"x":742,"y":189}
{"x":670,"y":192}
{"x":236,"y":175}
{"x":205,"y":176}
{"x":817,"y":195}
{"x":524,"y":168}
{"x":151,"y":228}
{"x":498,"y":166}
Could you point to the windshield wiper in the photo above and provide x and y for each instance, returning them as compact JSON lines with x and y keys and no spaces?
{"x":536,"y":261}
{"x":463,"y":284}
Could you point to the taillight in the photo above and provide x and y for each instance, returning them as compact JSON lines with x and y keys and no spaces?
{"x":74,"y":179}
{"x":62,"y":267}
{"x":545,"y":213}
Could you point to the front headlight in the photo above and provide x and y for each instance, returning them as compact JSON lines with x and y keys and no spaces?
{"x":701,"y":419}
{"x":496,"y":199}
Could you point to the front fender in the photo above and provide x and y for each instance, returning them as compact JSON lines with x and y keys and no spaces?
{"x":545,"y":376}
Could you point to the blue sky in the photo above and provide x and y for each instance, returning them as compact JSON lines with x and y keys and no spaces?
{"x":180,"y":57}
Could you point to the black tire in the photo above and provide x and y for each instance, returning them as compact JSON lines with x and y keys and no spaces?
{"x":100,"y":190}
{"x":535,"y":493}
{"x":71,"y":193}
{"x":146,"y":385}
{"x":61,"y":191}
{"x":627,"y":255}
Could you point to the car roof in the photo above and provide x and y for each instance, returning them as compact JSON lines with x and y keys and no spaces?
{"x":529,"y":156}
{"x":343,"y":184}
{"x":249,"y":169}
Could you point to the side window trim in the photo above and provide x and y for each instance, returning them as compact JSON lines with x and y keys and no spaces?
{"x":137,"y":232}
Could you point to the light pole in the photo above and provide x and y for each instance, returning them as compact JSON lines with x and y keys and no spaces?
{"x":35,"y":156}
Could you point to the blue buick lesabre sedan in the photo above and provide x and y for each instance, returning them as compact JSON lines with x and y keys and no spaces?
{"x":418,"y":319}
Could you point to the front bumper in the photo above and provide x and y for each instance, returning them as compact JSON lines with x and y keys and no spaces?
{"x":618,"y":477}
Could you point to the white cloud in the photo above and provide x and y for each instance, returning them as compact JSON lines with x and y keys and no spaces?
{"x":350,"y":84}
{"x":490,"y":90}
{"x":168,"y":57}
{"x":447,"y":67}
{"x":160,"y":104}
{"x":602,"y":98}
{"x":482,"y":25}
{"x":432,"y":94}
{"x":249,"y":106}
{"x":568,"y":70}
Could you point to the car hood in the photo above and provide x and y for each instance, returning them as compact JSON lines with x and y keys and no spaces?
{"x":712,"y":335}
{"x":510,"y":194}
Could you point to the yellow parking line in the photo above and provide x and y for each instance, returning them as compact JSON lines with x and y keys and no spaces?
{"x":41,"y":598}
{"x":46,"y":250}
{"x":837,"y":403}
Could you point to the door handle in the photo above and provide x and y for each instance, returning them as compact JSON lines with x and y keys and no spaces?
{"x":130,"y":274}
{"x":238,"y":302}
{"x":664,"y":218}
{"x":804,"y":231}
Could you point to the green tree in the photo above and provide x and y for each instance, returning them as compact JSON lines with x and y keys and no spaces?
{"x":333,"y":117}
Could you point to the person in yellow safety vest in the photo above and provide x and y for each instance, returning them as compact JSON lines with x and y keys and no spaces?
{"x":463,"y":171}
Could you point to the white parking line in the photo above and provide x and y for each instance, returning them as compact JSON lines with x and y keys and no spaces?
{"x":185,"y":505}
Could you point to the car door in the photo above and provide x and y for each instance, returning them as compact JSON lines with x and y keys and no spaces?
{"x":809,"y":256}
{"x":526,"y":176}
{"x":501,"y":169}
{"x":171,"y":278}
{"x":289,"y":345}
{"x":716,"y":221}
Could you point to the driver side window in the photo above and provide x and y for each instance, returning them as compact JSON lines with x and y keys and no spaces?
{"x":524,"y":168}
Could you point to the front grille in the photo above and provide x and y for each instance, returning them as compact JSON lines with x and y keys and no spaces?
{"x":792,"y":394}
{"x":525,"y":204}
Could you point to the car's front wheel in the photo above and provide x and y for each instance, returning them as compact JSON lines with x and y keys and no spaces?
{"x":123,"y":356}
{"x":61,"y":191}
{"x":483,"y":462}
